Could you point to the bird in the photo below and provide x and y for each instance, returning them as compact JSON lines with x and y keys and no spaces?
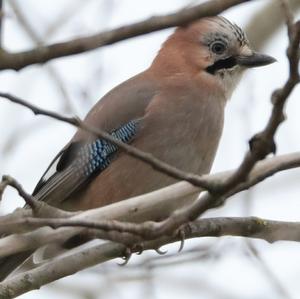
{"x":173,"y":110}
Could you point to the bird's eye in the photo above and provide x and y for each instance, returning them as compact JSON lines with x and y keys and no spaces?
{"x":218,"y":47}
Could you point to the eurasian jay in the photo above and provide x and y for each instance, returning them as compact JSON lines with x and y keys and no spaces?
{"x":173,"y":110}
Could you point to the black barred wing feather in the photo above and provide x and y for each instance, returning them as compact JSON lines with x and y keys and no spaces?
{"x":78,"y":163}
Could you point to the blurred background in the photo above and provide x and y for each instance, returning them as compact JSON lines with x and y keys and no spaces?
{"x":226,"y":267}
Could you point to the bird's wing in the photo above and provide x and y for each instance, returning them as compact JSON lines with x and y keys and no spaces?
{"x":78,"y":163}
{"x":119,"y":113}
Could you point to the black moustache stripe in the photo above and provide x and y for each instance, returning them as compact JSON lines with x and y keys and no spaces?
{"x":221,"y":64}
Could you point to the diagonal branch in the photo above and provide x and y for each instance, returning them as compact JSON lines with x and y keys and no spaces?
{"x":43,"y":54}
{"x":130,"y":150}
{"x":39,"y":208}
{"x":9,"y":181}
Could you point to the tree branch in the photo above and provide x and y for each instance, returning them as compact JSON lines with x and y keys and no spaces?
{"x":152,"y":206}
{"x":39,"y":209}
{"x":9,"y":181}
{"x":43,"y":54}
{"x":130,"y":150}
{"x":252,"y":227}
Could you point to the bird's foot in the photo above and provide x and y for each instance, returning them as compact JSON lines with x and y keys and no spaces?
{"x":138,"y":248}
{"x":181,"y":234}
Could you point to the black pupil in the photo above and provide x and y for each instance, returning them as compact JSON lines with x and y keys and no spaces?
{"x":218,"y":48}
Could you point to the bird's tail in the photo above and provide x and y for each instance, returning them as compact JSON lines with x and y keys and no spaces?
{"x":11,"y":263}
{"x":30,"y":259}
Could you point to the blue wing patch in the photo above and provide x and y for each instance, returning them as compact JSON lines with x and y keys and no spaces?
{"x":96,"y":156}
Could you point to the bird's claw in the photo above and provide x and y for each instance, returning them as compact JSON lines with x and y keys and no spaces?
{"x":181,"y":235}
{"x":139,"y":248}
{"x":161,"y":252}
{"x":126,"y":257}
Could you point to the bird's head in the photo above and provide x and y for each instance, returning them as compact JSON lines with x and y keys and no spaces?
{"x":227,"y":47}
{"x":215,"y":46}
{"x":226,"y":51}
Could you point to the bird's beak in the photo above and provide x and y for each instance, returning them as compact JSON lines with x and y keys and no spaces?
{"x":254,"y":59}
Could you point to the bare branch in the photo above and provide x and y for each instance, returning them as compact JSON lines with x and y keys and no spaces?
{"x":253,"y":227}
{"x":38,"y":208}
{"x":43,"y":54}
{"x":9,"y":181}
{"x":130,"y":150}
{"x":155,"y":205}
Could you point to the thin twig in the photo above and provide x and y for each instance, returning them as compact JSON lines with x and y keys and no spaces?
{"x":39,"y":209}
{"x":9,"y":181}
{"x":132,"y":151}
